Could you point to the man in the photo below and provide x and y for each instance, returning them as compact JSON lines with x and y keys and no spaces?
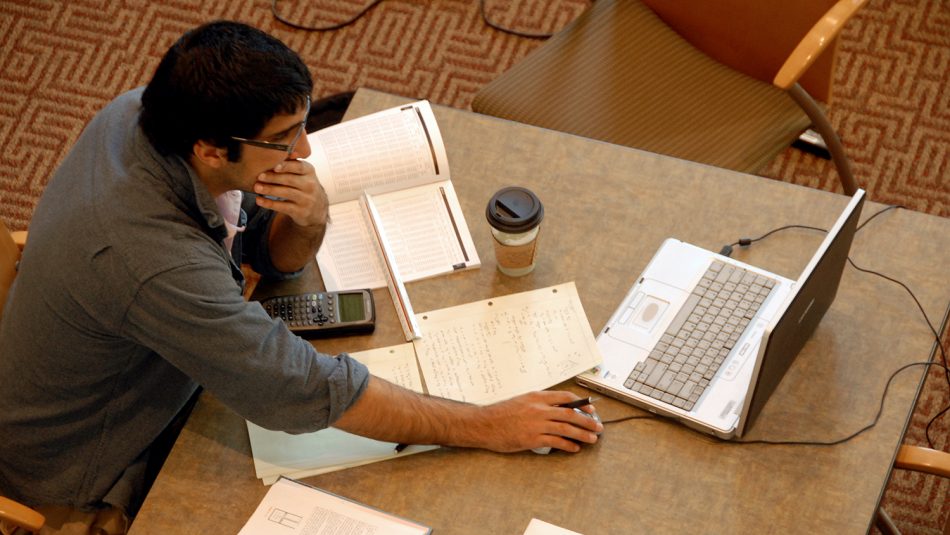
{"x":129,"y":293}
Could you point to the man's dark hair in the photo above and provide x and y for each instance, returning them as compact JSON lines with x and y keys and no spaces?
{"x":220,"y":80}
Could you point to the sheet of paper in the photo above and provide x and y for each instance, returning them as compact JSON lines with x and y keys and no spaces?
{"x":277,"y":453}
{"x":426,"y":232}
{"x":498,"y":348}
{"x":348,"y":258}
{"x":540,"y":527}
{"x":392,"y":149}
{"x":294,"y":508}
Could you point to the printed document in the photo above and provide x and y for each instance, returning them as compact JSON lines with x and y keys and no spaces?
{"x":296,"y":509}
{"x":398,"y":156}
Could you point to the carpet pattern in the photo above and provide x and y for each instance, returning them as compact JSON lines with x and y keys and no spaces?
{"x":60,"y":62}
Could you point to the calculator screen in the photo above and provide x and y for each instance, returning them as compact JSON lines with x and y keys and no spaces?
{"x":350,"y":306}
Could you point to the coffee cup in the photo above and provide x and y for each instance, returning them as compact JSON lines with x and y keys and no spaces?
{"x":514,"y":214}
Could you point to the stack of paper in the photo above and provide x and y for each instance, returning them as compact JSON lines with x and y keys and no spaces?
{"x":480,"y":352}
{"x":281,"y":454}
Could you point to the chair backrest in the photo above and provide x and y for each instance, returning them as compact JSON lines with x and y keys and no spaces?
{"x":9,"y":256}
{"x":754,"y":37}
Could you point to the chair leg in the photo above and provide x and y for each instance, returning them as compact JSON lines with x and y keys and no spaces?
{"x":884,"y":523}
{"x":823,"y":126}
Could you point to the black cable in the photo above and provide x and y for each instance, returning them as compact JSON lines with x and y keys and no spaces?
{"x":727,"y":250}
{"x":834,"y":442}
{"x":625,"y":418}
{"x":879,"y":212}
{"x":336,"y":26}
{"x":327,"y":28}
{"x":745,"y":242}
{"x":943,"y":352}
{"x":494,"y":25}
{"x":861,"y":431}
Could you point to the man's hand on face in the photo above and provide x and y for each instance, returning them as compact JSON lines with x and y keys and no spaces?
{"x":302,"y":197}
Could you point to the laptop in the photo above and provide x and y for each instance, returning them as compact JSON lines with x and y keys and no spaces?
{"x":704,"y":339}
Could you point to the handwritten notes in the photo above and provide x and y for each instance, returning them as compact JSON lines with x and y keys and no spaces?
{"x":494,"y":349}
{"x":481,"y":352}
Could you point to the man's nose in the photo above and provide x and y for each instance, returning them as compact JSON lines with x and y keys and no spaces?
{"x":301,"y":149}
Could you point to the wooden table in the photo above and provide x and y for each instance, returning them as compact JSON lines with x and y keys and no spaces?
{"x":607,"y":209}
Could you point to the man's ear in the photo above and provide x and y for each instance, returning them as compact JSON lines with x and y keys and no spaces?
{"x":210,"y":155}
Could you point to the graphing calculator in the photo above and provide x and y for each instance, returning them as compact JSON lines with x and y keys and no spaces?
{"x":325,"y":313}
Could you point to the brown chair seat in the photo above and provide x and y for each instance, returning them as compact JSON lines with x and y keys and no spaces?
{"x":593,"y":79}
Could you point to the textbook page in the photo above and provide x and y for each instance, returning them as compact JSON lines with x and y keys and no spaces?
{"x":398,"y":156}
{"x":427,"y":234}
{"x":277,"y":453}
{"x":388,"y":150}
{"x":495,"y":349}
{"x":294,"y":508}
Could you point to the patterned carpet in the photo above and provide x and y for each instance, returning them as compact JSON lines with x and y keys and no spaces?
{"x":62,"y":61}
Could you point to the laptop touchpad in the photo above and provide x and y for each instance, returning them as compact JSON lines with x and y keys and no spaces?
{"x":642,"y":319}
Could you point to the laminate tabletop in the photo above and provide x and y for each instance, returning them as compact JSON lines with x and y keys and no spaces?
{"x":607,"y":210}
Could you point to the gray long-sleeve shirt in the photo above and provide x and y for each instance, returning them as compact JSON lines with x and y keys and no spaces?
{"x":125,"y":301}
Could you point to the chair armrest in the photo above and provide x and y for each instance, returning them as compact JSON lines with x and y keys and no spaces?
{"x":817,"y":39}
{"x":19,"y":238}
{"x":20,"y":515}
{"x":251,"y":278}
{"x":922,"y":459}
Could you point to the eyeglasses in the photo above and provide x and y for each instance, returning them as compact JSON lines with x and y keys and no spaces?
{"x":288,"y":148}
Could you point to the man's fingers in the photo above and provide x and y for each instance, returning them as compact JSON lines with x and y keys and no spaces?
{"x":279,"y":191}
{"x":561,"y":443}
{"x":293,"y":167}
{"x":573,"y":432}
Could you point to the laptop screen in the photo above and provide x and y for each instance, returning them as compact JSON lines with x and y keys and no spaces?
{"x":814,"y":293}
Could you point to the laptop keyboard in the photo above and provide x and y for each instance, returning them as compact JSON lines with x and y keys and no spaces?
{"x":702,"y":334}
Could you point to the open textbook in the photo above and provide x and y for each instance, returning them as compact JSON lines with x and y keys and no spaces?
{"x":398,"y":156}
{"x":480,"y":352}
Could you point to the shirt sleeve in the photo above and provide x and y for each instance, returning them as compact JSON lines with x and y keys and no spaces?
{"x":193,"y":316}
{"x":255,"y":240}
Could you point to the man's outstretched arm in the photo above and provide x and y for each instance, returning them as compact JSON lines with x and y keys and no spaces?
{"x":394,"y":414}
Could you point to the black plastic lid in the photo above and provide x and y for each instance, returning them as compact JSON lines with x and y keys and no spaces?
{"x":514,"y":209}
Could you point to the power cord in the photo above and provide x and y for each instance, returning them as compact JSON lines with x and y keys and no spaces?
{"x":833,"y":442}
{"x":857,"y":433}
{"x":745,"y":242}
{"x":328,"y":27}
{"x":373,"y":3}
{"x":519,"y":33}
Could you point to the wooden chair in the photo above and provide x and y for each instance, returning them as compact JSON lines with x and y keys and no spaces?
{"x":11,"y":245}
{"x":13,"y":514}
{"x":712,"y":82}
{"x":918,"y":459}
